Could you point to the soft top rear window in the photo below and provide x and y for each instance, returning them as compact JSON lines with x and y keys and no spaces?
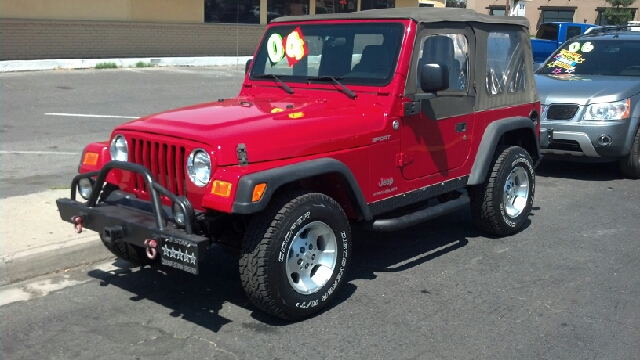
{"x":362,"y":53}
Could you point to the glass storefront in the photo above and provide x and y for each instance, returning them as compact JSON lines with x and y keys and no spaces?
{"x":248,"y":11}
{"x":232,"y":11}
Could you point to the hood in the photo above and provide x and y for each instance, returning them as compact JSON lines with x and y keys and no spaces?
{"x":585,"y":89}
{"x":271,"y":129}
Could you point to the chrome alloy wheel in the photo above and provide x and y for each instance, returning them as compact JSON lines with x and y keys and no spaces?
{"x":311,"y":258}
{"x":516,"y":192}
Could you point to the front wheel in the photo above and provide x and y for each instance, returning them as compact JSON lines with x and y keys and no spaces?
{"x":630,"y":164}
{"x":295,"y":254}
{"x":503,"y":202}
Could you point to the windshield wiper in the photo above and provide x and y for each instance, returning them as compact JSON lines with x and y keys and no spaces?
{"x":349,"y":93}
{"x":276,"y":78}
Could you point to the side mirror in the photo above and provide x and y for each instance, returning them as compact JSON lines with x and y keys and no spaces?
{"x":434,"y":77}
{"x":247,"y":66}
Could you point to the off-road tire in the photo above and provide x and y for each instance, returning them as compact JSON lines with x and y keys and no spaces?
{"x":136,"y":255}
{"x":267,"y":245}
{"x":487,"y":199}
{"x":630,"y":164}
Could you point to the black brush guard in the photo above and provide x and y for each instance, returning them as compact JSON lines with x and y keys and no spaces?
{"x":132,"y":224}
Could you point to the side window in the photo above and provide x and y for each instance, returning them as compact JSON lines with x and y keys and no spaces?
{"x":505,"y":63}
{"x":572,"y":31}
{"x":451,"y":50}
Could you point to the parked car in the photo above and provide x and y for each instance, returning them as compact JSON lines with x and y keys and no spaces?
{"x":315,"y":144}
{"x":590,"y":94}
{"x":550,"y":36}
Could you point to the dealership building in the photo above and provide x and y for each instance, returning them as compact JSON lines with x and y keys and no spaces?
{"x":63,"y":29}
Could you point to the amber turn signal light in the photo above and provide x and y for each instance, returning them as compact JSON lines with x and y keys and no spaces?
{"x":258,"y":191}
{"x":221,"y":188}
{"x":90,"y":158}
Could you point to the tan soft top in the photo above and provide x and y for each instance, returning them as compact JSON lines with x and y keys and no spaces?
{"x":417,"y":14}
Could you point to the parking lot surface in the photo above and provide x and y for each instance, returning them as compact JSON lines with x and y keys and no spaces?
{"x":567,"y":286}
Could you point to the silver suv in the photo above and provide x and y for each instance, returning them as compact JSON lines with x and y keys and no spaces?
{"x":590,"y":94}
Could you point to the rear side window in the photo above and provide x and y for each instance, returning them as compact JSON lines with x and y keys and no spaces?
{"x":573,"y":31}
{"x":548,"y":32}
{"x":505,"y":63}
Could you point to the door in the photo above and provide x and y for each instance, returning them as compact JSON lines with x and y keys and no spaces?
{"x":436,"y":134}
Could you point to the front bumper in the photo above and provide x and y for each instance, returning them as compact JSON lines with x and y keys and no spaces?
{"x":136,"y":225}
{"x":597,"y":140}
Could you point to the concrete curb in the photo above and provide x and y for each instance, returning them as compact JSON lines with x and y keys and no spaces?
{"x":55,"y":64}
{"x":52,"y":258}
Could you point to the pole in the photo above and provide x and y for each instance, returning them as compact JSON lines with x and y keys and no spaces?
{"x":507,"y":8}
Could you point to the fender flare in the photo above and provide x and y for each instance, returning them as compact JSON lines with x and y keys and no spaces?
{"x":490,"y":140}
{"x":277,"y":177}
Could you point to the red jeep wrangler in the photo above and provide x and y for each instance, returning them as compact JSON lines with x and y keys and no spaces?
{"x":363,"y":118}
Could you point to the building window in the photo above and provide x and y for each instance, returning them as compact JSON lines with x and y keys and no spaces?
{"x":232,"y":11}
{"x":336,"y":6}
{"x":602,"y":20}
{"x":556,"y":13}
{"x":276,"y":8}
{"x":496,"y":10}
{"x":377,"y":4}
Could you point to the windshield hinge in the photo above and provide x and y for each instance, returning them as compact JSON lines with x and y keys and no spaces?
{"x":241,"y":151}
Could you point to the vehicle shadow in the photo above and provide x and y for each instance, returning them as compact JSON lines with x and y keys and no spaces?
{"x":606,"y":171}
{"x":199,"y":299}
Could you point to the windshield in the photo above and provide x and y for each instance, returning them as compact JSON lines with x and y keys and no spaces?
{"x":600,"y":57}
{"x":356,"y":53}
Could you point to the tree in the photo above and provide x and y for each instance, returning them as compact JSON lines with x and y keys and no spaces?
{"x":619,"y":13}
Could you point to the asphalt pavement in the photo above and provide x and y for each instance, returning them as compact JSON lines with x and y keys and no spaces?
{"x":567,"y":286}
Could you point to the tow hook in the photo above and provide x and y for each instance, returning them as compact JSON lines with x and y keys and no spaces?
{"x":151,"y":245}
{"x":77,"y":223}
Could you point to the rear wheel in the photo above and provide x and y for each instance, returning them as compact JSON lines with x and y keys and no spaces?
{"x":503,"y":202}
{"x":630,"y":164}
{"x":295,"y":254}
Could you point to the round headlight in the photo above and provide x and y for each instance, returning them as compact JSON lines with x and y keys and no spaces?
{"x":199,"y":167}
{"x":119,"y":149}
{"x":85,"y":187}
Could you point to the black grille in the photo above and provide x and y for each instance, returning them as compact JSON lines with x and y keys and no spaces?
{"x":561,"y":112}
{"x":565,"y":145}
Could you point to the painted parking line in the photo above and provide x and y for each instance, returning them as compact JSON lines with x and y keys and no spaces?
{"x":39,"y":152}
{"x":93,"y":115}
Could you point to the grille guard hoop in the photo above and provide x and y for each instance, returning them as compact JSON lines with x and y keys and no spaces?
{"x":155,"y":190}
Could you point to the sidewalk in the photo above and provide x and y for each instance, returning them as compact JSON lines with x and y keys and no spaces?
{"x":34,"y":240}
{"x":55,"y":64}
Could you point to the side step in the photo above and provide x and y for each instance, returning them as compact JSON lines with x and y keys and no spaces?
{"x":419,"y":216}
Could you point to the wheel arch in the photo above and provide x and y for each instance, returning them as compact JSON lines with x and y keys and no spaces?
{"x":315,"y":175}
{"x":519,"y":131}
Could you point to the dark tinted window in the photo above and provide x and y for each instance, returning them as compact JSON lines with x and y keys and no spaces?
{"x":360,"y":53}
{"x":548,"y":32}
{"x":557,"y":16}
{"x":599,"y":57}
{"x":573,"y":31}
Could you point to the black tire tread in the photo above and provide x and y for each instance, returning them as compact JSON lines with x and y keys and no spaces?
{"x":131,"y":253}
{"x":258,"y":239}
{"x":485,"y":214}
{"x":630,"y":165}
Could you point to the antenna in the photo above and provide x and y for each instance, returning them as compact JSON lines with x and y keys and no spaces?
{"x":237,"y":34}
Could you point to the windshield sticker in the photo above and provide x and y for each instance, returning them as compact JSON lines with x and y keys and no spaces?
{"x":295,"y":47}
{"x":576,"y":46}
{"x":275,"y":49}
{"x":566,"y":60}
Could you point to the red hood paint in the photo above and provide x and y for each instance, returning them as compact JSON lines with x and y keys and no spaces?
{"x":271,"y":128}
